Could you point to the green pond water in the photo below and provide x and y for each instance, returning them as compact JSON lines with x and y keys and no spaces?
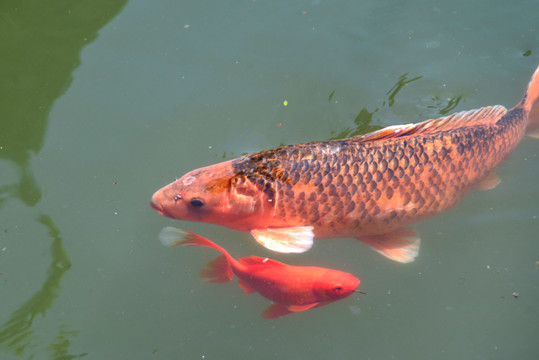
{"x":104,"y":102}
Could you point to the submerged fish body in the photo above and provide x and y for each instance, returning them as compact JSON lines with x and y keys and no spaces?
{"x":369,"y":186}
{"x":291,"y":288}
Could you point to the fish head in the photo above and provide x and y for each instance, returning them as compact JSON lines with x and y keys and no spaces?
{"x":214,"y":194}
{"x":335,"y":285}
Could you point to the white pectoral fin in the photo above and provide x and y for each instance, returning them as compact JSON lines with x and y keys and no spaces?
{"x":285,"y":240}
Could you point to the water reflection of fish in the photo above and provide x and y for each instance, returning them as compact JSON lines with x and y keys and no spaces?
{"x":291,"y":288}
{"x":369,"y":186}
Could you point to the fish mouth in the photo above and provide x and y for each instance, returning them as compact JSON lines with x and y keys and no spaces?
{"x":157,"y":207}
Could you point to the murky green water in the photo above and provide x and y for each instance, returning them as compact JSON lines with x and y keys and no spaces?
{"x":103,"y":102}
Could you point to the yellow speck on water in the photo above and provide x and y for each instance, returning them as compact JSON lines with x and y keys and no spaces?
{"x":285,"y":103}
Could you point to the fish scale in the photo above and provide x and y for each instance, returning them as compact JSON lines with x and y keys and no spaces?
{"x":338,"y":183}
{"x":369,"y":186}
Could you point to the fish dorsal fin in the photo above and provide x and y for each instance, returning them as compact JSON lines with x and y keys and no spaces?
{"x":256,"y":260}
{"x":296,"y":239}
{"x":463,"y":119}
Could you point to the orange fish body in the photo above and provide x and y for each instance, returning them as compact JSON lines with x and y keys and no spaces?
{"x":291,"y":288}
{"x":369,"y":186}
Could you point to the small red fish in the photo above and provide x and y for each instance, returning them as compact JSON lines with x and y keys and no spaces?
{"x":291,"y":288}
{"x":370,"y":186}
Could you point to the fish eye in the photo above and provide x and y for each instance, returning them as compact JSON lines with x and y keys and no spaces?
{"x":198,"y":203}
{"x":338,"y":288}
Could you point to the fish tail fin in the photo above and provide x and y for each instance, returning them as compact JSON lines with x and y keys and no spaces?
{"x":217,"y":271}
{"x":530,"y":103}
{"x":171,"y":237}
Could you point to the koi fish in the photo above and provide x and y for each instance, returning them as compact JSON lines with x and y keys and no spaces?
{"x":291,"y":288}
{"x":370,"y":186}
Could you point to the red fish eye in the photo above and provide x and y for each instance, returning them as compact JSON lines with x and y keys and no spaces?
{"x":338,"y":288}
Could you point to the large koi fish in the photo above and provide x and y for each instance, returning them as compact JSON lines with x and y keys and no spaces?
{"x":369,"y":187}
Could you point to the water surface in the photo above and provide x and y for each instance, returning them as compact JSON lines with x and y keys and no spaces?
{"x":103,"y":102}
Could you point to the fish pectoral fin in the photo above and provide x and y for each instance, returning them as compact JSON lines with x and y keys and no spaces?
{"x":275,"y":311}
{"x":488,"y":183}
{"x":296,"y":239}
{"x":297,"y":308}
{"x":246,"y":287}
{"x":401,"y":245}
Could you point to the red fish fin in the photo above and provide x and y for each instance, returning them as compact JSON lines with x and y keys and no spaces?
{"x":257,"y":260}
{"x":532,"y":130}
{"x":401,"y":245}
{"x":171,"y":236}
{"x":488,"y":183}
{"x":463,"y":119}
{"x":217,"y":271}
{"x":530,"y":102}
{"x":275,"y":311}
{"x":246,"y":287}
{"x":285,"y":240}
{"x":297,"y":308}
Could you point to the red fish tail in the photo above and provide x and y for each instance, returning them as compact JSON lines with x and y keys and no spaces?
{"x":530,"y":103}
{"x":192,"y":239}
{"x":218,"y":270}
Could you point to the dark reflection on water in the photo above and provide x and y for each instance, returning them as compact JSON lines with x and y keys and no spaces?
{"x":399,"y":85}
{"x":17,"y":334}
{"x":41,"y":43}
{"x":447,"y":108}
{"x":365,"y":118}
{"x":60,"y":345}
{"x":363,"y":125}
